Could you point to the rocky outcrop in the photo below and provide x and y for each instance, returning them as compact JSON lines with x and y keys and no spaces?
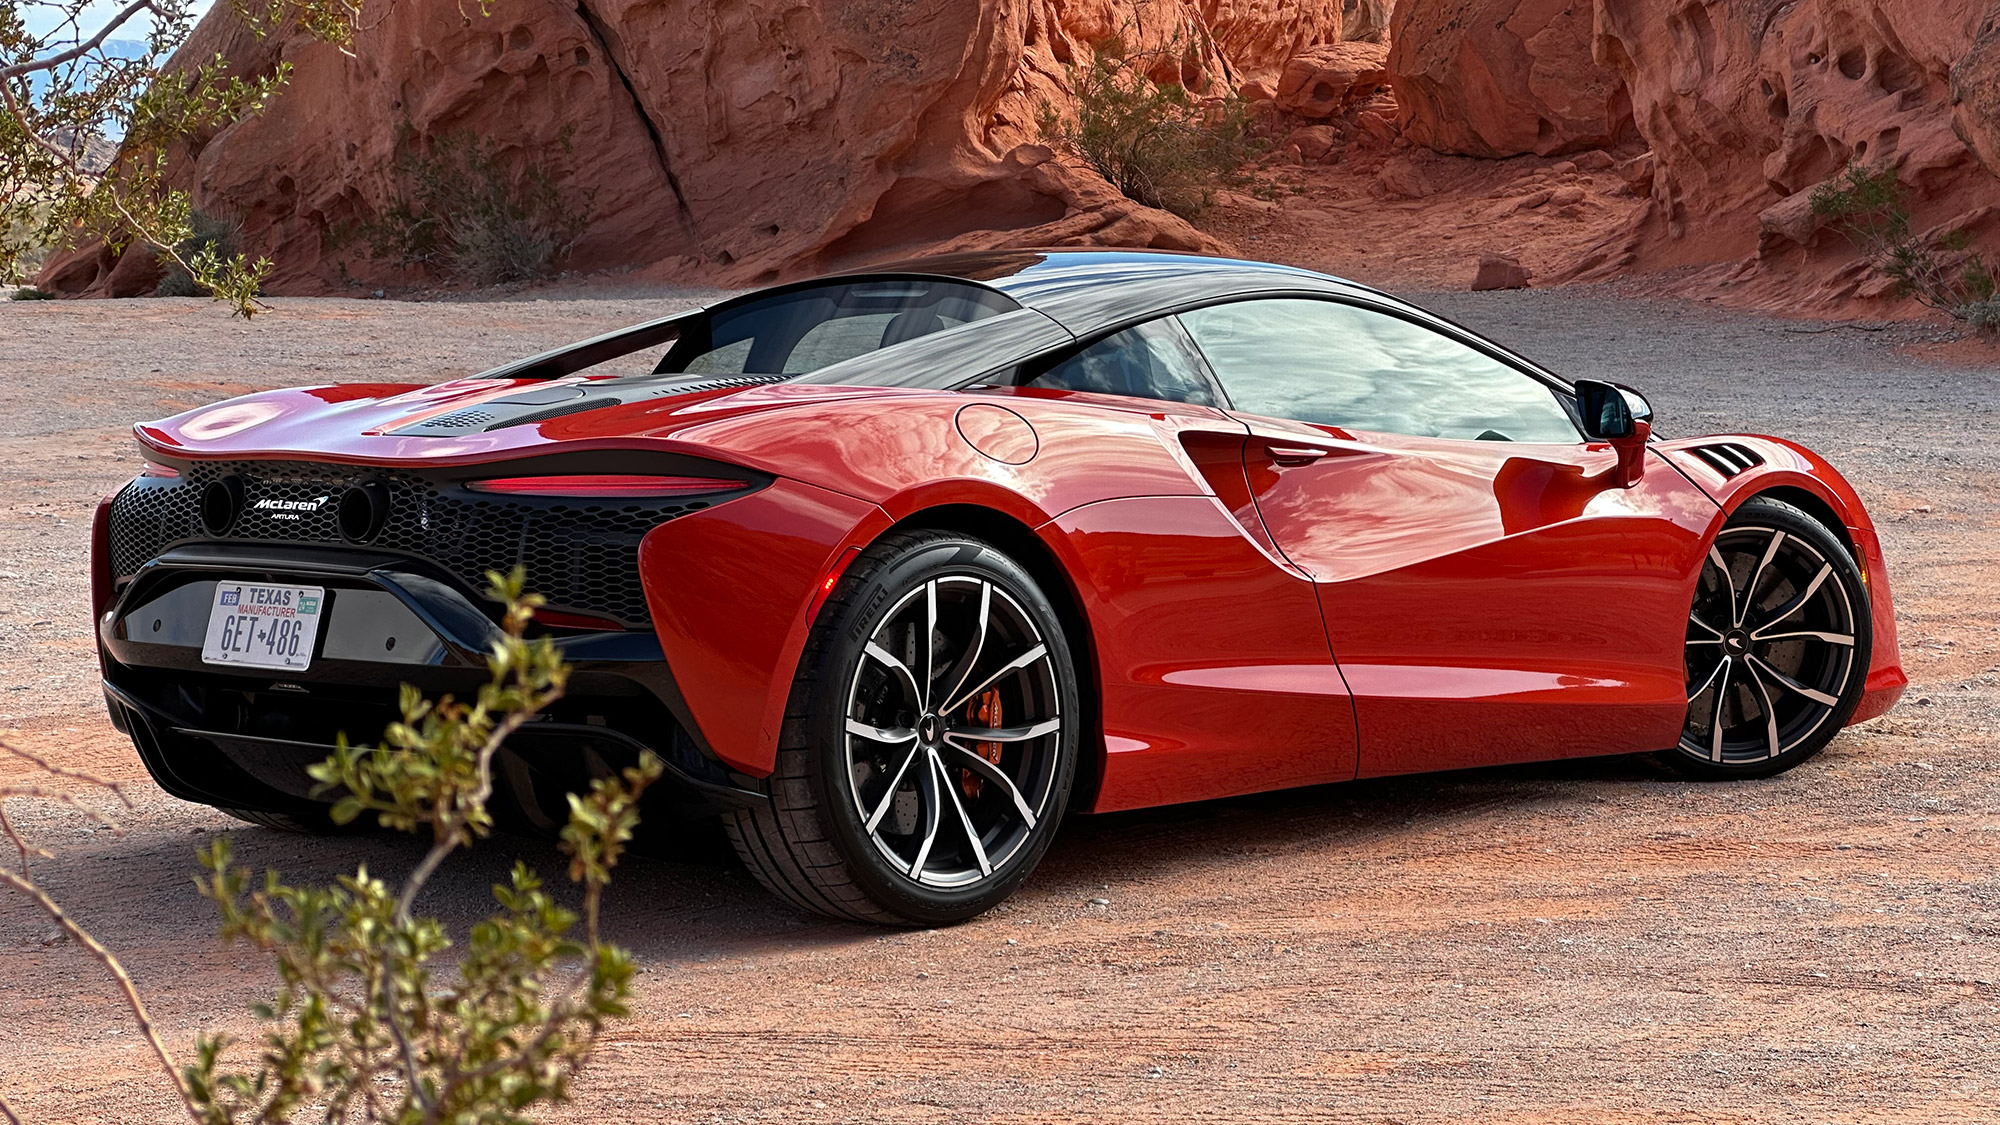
{"x":729,"y":143}
{"x":1499,"y":78}
{"x":1749,"y":102}
{"x":1366,"y":21}
{"x":1321,"y":81}
{"x":1975,"y":95}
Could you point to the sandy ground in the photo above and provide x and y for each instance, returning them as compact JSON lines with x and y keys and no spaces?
{"x":1592,"y":942}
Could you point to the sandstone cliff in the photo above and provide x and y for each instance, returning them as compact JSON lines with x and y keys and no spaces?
{"x":729,"y":143}
{"x":744,"y":142}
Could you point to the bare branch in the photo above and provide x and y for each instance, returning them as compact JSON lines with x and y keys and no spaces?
{"x":111,"y":965}
{"x":50,"y":62}
{"x":49,"y":767}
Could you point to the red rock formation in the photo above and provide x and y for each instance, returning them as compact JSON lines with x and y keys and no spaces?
{"x":1320,"y":82}
{"x":1501,"y":78}
{"x":730,"y":142}
{"x":1748,"y":104}
{"x":1975,"y":95}
{"x":1366,"y":21}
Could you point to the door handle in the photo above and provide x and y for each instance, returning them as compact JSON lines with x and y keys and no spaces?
{"x":1294,"y":454}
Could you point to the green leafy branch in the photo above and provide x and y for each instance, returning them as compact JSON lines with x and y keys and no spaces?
{"x":1870,"y":207}
{"x":368,"y":1024}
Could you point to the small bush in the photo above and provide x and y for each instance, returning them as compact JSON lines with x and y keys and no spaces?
{"x":1154,"y":142}
{"x":376,"y":1019}
{"x":208,"y":236}
{"x":461,"y":217}
{"x":30,"y":293}
{"x":1871,"y":208}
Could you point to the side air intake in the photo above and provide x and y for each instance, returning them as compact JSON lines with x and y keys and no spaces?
{"x":1728,"y":458}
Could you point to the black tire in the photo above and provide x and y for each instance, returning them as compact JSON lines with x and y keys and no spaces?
{"x":1780,"y":634}
{"x":815,"y":845}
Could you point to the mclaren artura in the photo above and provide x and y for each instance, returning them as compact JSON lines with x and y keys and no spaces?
{"x":896,"y":568}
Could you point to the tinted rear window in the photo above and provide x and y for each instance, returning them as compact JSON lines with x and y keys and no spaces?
{"x":804,"y":330}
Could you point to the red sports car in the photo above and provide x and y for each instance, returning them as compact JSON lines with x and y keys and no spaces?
{"x":896,"y":568}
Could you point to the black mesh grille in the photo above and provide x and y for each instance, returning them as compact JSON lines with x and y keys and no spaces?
{"x":461,"y":419}
{"x":581,"y":554}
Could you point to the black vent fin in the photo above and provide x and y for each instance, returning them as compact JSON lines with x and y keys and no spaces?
{"x":1728,"y":458}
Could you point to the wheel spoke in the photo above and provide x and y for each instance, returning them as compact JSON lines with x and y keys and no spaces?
{"x":927,"y":784}
{"x":965,"y":820}
{"x":1693,"y":620}
{"x":1729,"y":580}
{"x":930,"y":643}
{"x":1008,"y":734}
{"x":1757,"y":575}
{"x":1705,"y":684}
{"x":1770,"y":712}
{"x":1721,"y":702}
{"x":886,"y":735}
{"x":889,"y":796}
{"x":1793,"y":685}
{"x":1022,"y":661}
{"x":970,"y":660}
{"x":979,"y":765}
{"x":1829,"y":638}
{"x":883,"y":657}
{"x":1795,"y":604}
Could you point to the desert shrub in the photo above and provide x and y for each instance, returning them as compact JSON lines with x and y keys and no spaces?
{"x":370,"y":1023}
{"x":1871,"y":208}
{"x":208,"y":236}
{"x":1156,"y":143}
{"x":30,"y":293}
{"x":461,"y":215}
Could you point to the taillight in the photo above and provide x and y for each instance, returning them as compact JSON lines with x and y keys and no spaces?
{"x":152,"y":470}
{"x":606,"y":486}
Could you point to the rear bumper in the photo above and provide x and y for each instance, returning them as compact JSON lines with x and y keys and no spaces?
{"x":242,"y":738}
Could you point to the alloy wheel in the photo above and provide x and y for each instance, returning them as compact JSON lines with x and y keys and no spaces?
{"x":1771,"y":647}
{"x":953,"y":730}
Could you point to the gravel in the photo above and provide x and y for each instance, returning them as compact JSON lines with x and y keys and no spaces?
{"x":1585,"y":942}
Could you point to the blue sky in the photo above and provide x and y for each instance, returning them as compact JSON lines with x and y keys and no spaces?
{"x":41,"y":20}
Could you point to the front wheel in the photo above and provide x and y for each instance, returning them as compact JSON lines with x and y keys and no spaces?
{"x":930,"y":744}
{"x":1778,"y":645}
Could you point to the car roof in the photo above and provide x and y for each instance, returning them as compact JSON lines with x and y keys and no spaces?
{"x":1087,"y":290}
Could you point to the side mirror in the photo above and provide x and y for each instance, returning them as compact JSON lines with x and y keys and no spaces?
{"x":1621,"y":416}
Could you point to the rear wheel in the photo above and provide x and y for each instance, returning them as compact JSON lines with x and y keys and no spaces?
{"x":931,"y":743}
{"x":1778,"y":645}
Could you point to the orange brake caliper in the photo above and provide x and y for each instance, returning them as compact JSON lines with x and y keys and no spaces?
{"x":985,"y":711}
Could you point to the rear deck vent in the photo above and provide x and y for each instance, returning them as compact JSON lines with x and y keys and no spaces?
{"x":459,"y":419}
{"x":1728,"y":458}
{"x":577,"y":407}
{"x":688,"y":386}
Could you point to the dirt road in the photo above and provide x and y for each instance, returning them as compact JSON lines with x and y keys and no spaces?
{"x":1586,"y":943}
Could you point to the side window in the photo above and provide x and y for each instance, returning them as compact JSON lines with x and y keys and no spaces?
{"x":1340,"y":365}
{"x":1153,"y":360}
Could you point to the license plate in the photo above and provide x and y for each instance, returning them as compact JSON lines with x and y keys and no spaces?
{"x":263,"y":626}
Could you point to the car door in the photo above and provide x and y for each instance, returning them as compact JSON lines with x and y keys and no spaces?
{"x":1216,"y":676}
{"x":1489,"y":594}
